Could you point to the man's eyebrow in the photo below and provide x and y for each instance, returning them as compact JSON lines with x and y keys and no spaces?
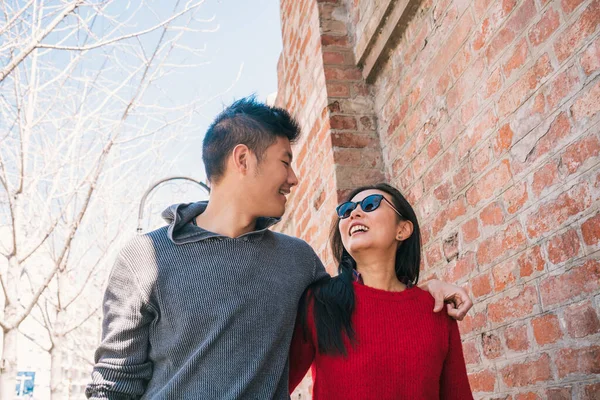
{"x":290,"y":155}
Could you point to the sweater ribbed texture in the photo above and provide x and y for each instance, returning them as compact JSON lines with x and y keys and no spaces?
{"x":404,"y":351}
{"x":190,"y":314}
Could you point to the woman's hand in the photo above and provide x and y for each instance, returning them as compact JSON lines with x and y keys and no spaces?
{"x":457,"y":301}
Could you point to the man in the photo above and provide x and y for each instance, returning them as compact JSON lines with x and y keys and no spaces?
{"x":204,"y":308}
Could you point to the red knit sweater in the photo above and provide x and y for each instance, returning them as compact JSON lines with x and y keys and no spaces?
{"x":404,"y":351}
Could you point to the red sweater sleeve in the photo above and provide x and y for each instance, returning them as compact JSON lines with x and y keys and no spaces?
{"x":302,"y":354}
{"x":454,"y":383}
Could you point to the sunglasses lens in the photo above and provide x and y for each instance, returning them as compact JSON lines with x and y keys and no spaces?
{"x":370,"y":203}
{"x":344,"y":210}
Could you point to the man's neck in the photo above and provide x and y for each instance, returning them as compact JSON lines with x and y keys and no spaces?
{"x":225,"y":216}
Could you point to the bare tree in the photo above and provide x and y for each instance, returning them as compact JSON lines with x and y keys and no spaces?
{"x":84,"y":118}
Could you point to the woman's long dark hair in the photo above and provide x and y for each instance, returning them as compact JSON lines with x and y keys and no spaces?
{"x":333,"y":298}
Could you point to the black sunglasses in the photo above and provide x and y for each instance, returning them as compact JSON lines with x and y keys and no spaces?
{"x":368,"y":204}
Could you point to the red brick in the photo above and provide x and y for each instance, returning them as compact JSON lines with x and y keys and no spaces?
{"x":433,"y":255}
{"x":581,"y":320}
{"x":587,"y":105}
{"x":338,"y":90}
{"x":561,"y":393}
{"x":512,"y":307}
{"x":493,"y":83}
{"x":473,"y":135}
{"x":443,"y":192}
{"x":491,"y":345}
{"x":576,"y":282}
{"x":492,"y":181}
{"x":516,"y":23}
{"x":569,"y":5}
{"x":472,"y":322}
{"x":592,"y":392}
{"x":516,"y":338}
{"x":470,"y":352}
{"x":562,"y":87}
{"x":513,"y":97}
{"x":439,"y":169}
{"x":470,"y":230}
{"x":461,"y":268}
{"x":531,"y":261}
{"x":517,"y":59}
{"x":584,"y":360}
{"x":469,"y":109}
{"x":544,"y":28}
{"x":544,"y":177}
{"x":591,"y":230}
{"x":461,"y":178}
{"x":503,"y":139}
{"x":333,"y":58}
{"x":492,"y":215}
{"x":450,"y":247}
{"x":527,"y":396}
{"x":482,"y":381}
{"x":343,"y":122}
{"x":342,"y":73}
{"x":334,"y":41}
{"x":570,"y":40}
{"x":563,"y":247}
{"x":546,"y":329}
{"x":553,"y":213}
{"x":559,"y":129}
{"x":347,"y":157}
{"x":481,"y":6}
{"x":491,"y":249}
{"x":515,"y":197}
{"x":579,"y":152}
{"x":528,"y":372}
{"x":504,"y":274}
{"x":460,"y":62}
{"x":485,"y":31}
{"x":352,"y":140}
{"x":480,"y":160}
{"x":480,"y":285}
{"x":590,"y":59}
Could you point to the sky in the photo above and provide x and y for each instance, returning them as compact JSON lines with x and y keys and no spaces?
{"x":248,"y":38}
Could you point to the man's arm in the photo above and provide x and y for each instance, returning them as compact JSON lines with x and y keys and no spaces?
{"x":122,"y":369}
{"x":457,"y":298}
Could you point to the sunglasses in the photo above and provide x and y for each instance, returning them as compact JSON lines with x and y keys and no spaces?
{"x":368,"y":204}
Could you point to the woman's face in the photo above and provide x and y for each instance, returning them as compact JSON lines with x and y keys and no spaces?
{"x":375,"y":230}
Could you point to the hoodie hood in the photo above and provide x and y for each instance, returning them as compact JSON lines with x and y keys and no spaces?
{"x":180,"y":231}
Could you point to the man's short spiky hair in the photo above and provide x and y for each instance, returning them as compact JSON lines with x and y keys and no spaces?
{"x":249,"y":122}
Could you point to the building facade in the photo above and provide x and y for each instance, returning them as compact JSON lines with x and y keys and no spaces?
{"x":486,"y":115}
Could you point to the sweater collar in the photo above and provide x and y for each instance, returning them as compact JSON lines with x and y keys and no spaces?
{"x":181,"y":231}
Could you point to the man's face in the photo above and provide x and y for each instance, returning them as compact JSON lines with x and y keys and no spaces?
{"x":271,"y":180}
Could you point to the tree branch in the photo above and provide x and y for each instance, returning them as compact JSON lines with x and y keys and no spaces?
{"x":36,"y":41}
{"x":121,"y":38}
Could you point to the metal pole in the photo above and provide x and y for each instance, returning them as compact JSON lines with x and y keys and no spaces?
{"x":147,"y":193}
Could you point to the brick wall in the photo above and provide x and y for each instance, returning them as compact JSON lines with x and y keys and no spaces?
{"x":486,"y":114}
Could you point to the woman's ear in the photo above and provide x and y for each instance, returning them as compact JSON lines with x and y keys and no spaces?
{"x":405,"y":229}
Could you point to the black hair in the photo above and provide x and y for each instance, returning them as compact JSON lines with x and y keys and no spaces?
{"x":249,"y":122}
{"x":333,"y":298}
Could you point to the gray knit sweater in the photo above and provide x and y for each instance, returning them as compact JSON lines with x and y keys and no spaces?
{"x":190,"y":314}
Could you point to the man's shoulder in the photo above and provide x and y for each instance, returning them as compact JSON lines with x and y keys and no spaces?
{"x":291,"y":241}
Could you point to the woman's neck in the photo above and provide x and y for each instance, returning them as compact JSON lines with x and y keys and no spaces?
{"x":379,"y":273}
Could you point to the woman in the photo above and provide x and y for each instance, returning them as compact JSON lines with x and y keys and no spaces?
{"x":370,"y":332}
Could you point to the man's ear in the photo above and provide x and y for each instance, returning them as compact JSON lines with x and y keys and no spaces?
{"x":405,"y":229}
{"x":240,"y":158}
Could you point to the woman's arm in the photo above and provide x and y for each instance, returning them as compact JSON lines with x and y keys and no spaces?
{"x":302,"y":354}
{"x":454,"y":382}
